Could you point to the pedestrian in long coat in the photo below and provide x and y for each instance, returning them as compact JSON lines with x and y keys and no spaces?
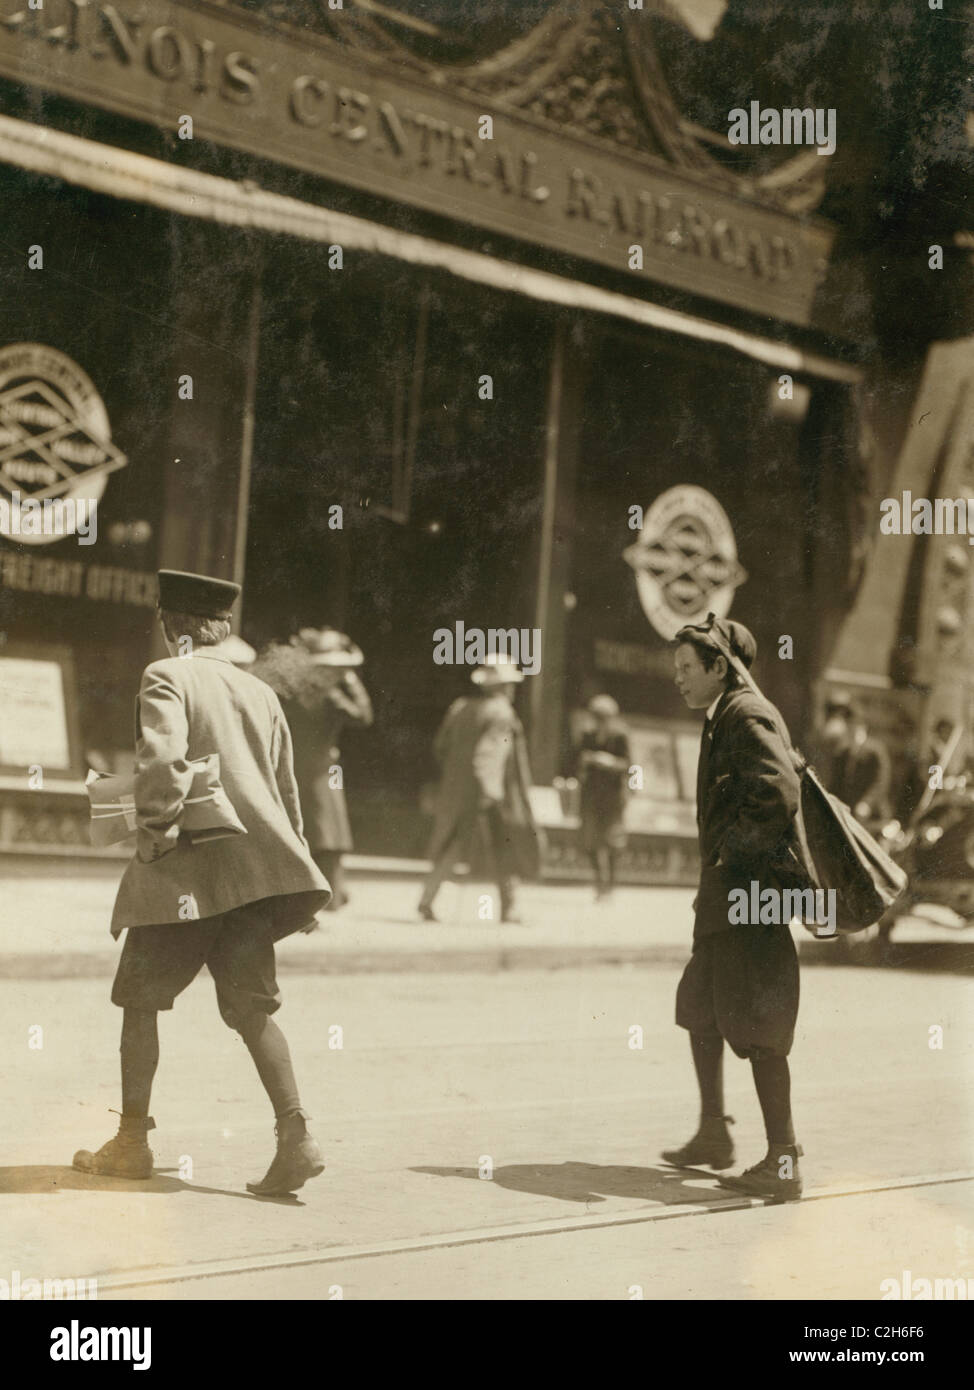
{"x":602,"y":763}
{"x":315,"y":677}
{"x":484,"y":783}
{"x":741,"y":983}
{"x":222,"y":903}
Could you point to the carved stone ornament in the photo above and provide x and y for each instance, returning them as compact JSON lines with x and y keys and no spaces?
{"x":585,"y":66}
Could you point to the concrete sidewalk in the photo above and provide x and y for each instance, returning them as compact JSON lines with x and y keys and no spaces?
{"x":54,"y":918}
{"x":54,"y":924}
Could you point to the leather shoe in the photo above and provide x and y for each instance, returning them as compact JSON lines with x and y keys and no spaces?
{"x":126,"y":1156}
{"x":297,"y":1159}
{"x":710,"y":1147}
{"x":776,"y":1177}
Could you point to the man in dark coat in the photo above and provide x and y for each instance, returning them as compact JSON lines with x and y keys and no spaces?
{"x":855,"y":767}
{"x":741,"y":983}
{"x":222,"y":903}
{"x":484,"y":782}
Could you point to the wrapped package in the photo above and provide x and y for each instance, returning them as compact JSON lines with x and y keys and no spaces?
{"x":206,"y":813}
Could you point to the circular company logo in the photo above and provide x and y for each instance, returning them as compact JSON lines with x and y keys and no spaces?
{"x":55,"y":444}
{"x":685,"y":560}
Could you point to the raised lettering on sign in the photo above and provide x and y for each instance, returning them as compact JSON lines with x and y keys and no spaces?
{"x":329,"y":114}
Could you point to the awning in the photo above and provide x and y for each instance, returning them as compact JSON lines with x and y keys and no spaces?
{"x":120,"y":174}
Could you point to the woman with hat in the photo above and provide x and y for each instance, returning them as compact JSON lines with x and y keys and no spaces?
{"x":603,"y":764}
{"x":314,"y":676}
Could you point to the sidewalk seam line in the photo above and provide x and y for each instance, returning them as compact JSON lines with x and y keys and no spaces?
{"x":490,"y":1235}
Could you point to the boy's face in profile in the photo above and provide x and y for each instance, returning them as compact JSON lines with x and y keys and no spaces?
{"x":698,"y":686}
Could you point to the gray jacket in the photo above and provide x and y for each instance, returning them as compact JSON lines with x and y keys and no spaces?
{"x":188,"y":707}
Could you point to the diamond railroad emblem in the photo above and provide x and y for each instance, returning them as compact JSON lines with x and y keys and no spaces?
{"x":685,"y":560}
{"x":55,"y":441}
{"x":44,"y":448}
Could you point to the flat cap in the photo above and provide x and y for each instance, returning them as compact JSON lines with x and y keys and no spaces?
{"x":736,"y":636}
{"x":199,"y":594}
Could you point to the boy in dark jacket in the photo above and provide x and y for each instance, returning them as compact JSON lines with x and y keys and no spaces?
{"x":741,"y":983}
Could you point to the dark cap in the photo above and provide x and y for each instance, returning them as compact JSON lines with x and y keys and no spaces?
{"x":198,"y":594}
{"x":736,"y":636}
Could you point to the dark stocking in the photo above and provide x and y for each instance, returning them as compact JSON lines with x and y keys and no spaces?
{"x":772,"y":1080}
{"x":272,"y":1058}
{"x":708,"y":1059}
{"x":612,"y":858}
{"x":336,"y":877}
{"x":140,"y":1057}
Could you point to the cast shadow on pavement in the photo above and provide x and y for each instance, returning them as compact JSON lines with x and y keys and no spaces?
{"x":594,"y":1182}
{"x":927,"y":957}
{"x":49,"y":1178}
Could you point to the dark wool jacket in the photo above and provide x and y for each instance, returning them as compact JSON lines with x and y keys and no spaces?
{"x":748,"y":795}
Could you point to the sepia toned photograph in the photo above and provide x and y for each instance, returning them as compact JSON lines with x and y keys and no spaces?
{"x":487,"y":662}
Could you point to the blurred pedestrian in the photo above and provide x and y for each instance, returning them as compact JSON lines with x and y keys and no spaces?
{"x":222,"y":904}
{"x":856,"y":767}
{"x":236,"y":650}
{"x":315,"y":676}
{"x":484,"y":783}
{"x":602,"y":767}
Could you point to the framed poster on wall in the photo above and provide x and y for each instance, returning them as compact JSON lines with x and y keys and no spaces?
{"x":38,"y":710}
